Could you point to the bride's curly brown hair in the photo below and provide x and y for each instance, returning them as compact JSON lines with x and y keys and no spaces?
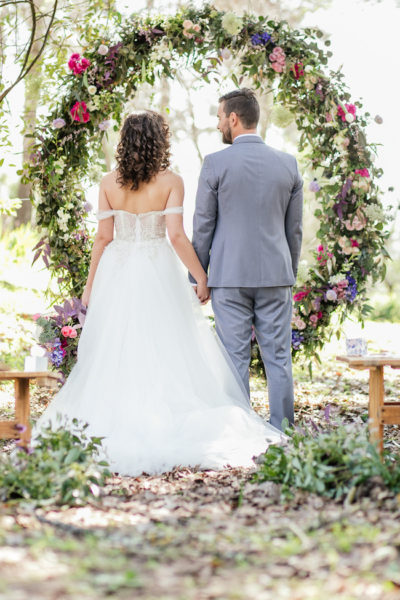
{"x":143,"y":150}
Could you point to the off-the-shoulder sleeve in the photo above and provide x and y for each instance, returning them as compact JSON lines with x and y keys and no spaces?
{"x":173,"y":210}
{"x":104,"y":214}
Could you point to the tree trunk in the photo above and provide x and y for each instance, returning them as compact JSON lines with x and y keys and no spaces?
{"x":32,"y":83}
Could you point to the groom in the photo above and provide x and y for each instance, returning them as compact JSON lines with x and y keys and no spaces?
{"x":247,"y":231}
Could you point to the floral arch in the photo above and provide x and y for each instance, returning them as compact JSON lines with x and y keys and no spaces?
{"x":292,"y":66}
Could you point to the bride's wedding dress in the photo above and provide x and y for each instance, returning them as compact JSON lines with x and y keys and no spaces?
{"x":152,"y":376}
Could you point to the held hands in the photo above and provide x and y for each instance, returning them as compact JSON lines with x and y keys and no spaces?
{"x":203,"y":291}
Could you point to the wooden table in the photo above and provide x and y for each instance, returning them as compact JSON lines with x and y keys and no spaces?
{"x":380,"y":412}
{"x":10,"y":429}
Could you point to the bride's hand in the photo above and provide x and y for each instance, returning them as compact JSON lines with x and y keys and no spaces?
{"x":86,"y":296}
{"x":203,"y":292}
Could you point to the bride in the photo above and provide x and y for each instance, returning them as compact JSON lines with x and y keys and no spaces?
{"x":152,"y":376}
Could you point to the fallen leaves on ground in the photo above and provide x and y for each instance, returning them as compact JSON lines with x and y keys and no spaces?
{"x":207,"y":535}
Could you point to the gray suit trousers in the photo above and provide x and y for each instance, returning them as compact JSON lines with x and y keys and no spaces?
{"x":269,"y":309}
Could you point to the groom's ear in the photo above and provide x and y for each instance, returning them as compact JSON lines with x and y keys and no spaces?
{"x":233,"y":119}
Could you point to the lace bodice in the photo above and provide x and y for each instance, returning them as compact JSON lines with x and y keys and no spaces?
{"x":141,"y":227}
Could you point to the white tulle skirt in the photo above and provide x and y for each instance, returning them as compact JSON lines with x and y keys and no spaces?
{"x":152,"y":376}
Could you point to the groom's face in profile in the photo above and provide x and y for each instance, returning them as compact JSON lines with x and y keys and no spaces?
{"x":223,"y":125}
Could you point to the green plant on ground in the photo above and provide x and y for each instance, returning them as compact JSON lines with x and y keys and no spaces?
{"x":64,"y":467}
{"x":335,"y":461}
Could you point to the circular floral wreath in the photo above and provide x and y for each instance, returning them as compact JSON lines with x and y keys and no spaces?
{"x":289,"y":64}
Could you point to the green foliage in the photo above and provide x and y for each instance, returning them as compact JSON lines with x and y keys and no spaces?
{"x":64,"y":467}
{"x":16,"y":338}
{"x":389,"y":310}
{"x":333,"y":461}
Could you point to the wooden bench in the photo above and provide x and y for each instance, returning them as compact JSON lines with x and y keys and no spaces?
{"x":380,"y":412}
{"x":10,"y":429}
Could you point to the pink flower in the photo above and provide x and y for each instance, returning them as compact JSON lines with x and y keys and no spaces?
{"x":362,"y":172}
{"x":65,"y":331}
{"x":354,"y":243}
{"x":36,"y":316}
{"x":79,"y":112}
{"x":343,"y":283}
{"x":350,"y":109}
{"x":314,"y":320}
{"x":329,"y":117}
{"x":277,"y":67}
{"x":68,"y":332}
{"x":278,"y":59}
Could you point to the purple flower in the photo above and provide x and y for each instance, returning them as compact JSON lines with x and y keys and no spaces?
{"x":351,"y":290}
{"x":58,"y":123}
{"x":260,"y":39}
{"x":57,"y":354}
{"x":20,"y":427}
{"x":314,"y":186}
{"x":87,"y":207}
{"x":297,"y":339}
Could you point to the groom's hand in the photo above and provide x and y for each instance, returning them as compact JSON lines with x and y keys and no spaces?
{"x":203,"y":292}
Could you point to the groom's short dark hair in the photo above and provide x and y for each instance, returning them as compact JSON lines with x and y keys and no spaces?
{"x":244,"y":103}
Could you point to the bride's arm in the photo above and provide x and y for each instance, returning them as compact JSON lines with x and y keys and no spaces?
{"x":181,"y":242}
{"x":104,"y":235}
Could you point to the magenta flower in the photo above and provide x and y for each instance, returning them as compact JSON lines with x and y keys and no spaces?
{"x":362,"y":172}
{"x":77,"y":64}
{"x":298,"y":70}
{"x":79,"y":112}
{"x":300,"y":295}
{"x":350,"y":110}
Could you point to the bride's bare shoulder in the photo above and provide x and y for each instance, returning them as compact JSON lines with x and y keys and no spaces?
{"x":171,"y":177}
{"x":109,"y":179}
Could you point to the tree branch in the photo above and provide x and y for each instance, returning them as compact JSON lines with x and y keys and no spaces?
{"x":25,"y":69}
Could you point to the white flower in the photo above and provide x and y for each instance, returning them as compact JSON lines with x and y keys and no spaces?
{"x":232,"y":23}
{"x":336,"y":278}
{"x":187,"y":24}
{"x":281,"y":116}
{"x":302,"y":271}
{"x":92,"y":89}
{"x":104,"y":125}
{"x":349,"y":117}
{"x":374,"y":212}
{"x":331,"y":295}
{"x":58,"y":123}
{"x":308,"y":68}
{"x":102,"y":49}
{"x":226,"y":54}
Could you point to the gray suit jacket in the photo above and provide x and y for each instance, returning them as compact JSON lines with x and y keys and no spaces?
{"x":247,"y":225}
